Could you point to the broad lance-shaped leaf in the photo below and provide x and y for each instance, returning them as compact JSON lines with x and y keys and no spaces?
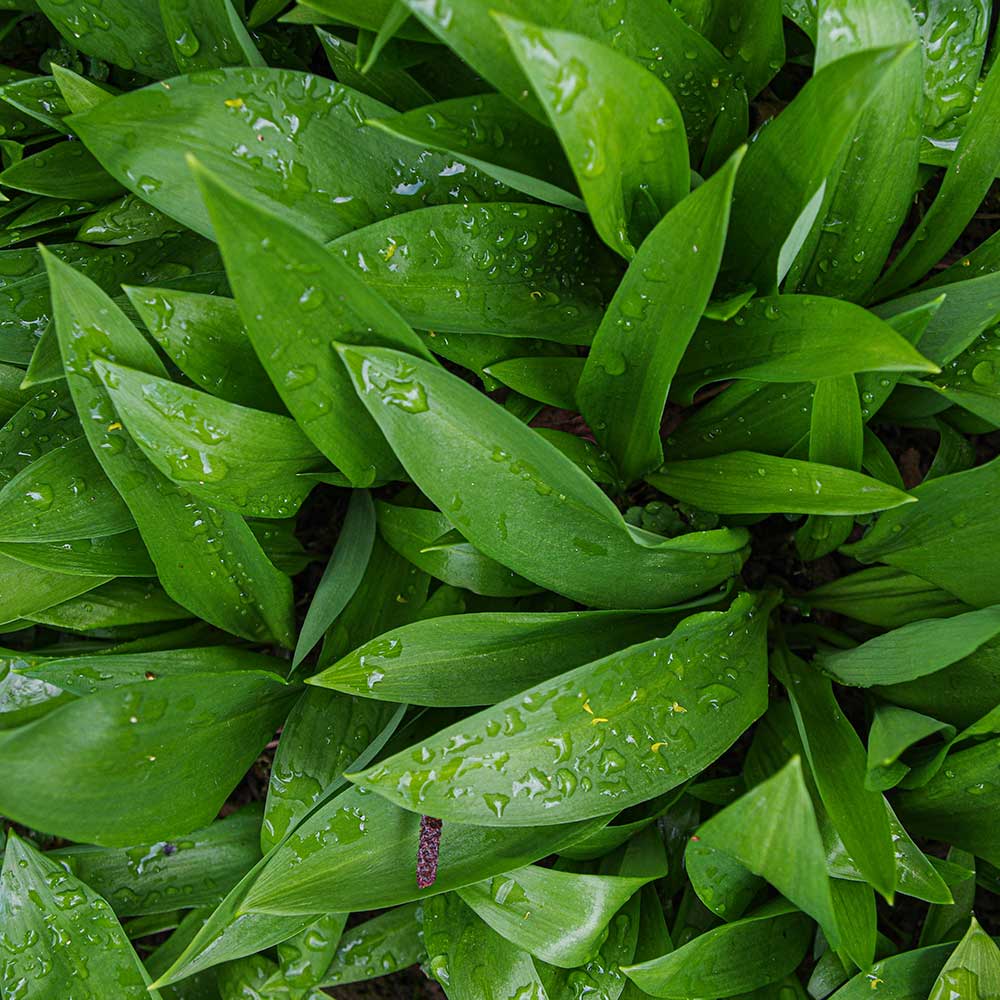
{"x":27,"y":591}
{"x":906,"y":976}
{"x":869,"y":192}
{"x":614,"y":732}
{"x":649,"y":324}
{"x":894,"y":731}
{"x":232,"y":584}
{"x":305,"y":156}
{"x":63,"y":495}
{"x":310,"y":301}
{"x":471,"y":960}
{"x":966,"y":182}
{"x":493,"y":134}
{"x":121,"y":555}
{"x":241,"y":459}
{"x":536,"y":270}
{"x":480,"y":464}
{"x":743,"y":482}
{"x":480,"y":659}
{"x":620,"y":126}
{"x":357,"y":852}
{"x":384,"y":943}
{"x":735,"y":958}
{"x":942,"y":538}
{"x":60,"y":937}
{"x":915,"y":650}
{"x":653,"y":35}
{"x":792,"y":338}
{"x":167,"y":753}
{"x":205,"y":337}
{"x":838,"y":764}
{"x":559,"y":916}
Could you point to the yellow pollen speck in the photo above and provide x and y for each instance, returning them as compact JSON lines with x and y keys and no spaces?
{"x":675,"y":707}
{"x":656,"y":746}
{"x":164,"y":85}
{"x":528,"y":914}
{"x":536,"y":295}
{"x":596,"y":719}
{"x":715,"y":81}
{"x":875,"y":982}
{"x":116,"y":426}
{"x":234,"y":102}
{"x":389,"y":251}
{"x":966,"y":262}
{"x":587,"y":708}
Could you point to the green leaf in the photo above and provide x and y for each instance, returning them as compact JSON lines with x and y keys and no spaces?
{"x":120,"y":555}
{"x":894,"y":730}
{"x":301,"y":137}
{"x":494,"y":135}
{"x":972,"y":969}
{"x":646,"y":329}
{"x":724,"y":885}
{"x":621,"y":128}
{"x":170,"y":752}
{"x":654,"y":36}
{"x":237,"y":458}
{"x":915,"y":650}
{"x":838,"y":764}
{"x":343,"y":573}
{"x":790,"y":159}
{"x":306,"y":956}
{"x":126,"y":220}
{"x":537,"y":270}
{"x":560,"y":917}
{"x":471,"y":960}
{"x":127,"y":33}
{"x":791,"y":338}
{"x":479,"y":659}
{"x":193,"y":870}
{"x":968,"y":178}
{"x":293,"y":320}
{"x":206,"y":339}
{"x":552,"y":381}
{"x":737,"y":957}
{"x":743,"y":482}
{"x":750,"y":36}
{"x":869,"y":191}
{"x":382,"y":944}
{"x":60,"y":935}
{"x":120,"y":602}
{"x":568,"y":536}
{"x":65,"y":170}
{"x":946,"y":922}
{"x":235,"y":586}
{"x":570,"y":748}
{"x":886,"y":597}
{"x":324,"y":735}
{"x":426,"y":539}
{"x":206,"y":35}
{"x":772,"y":831}
{"x":956,"y":804}
{"x":907,"y":976}
{"x":62,"y":495}
{"x":940,"y":539}
{"x":26,"y":591}
{"x":359,"y":851}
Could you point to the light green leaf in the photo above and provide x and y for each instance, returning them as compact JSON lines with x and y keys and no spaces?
{"x":611,"y":733}
{"x":476,"y":461}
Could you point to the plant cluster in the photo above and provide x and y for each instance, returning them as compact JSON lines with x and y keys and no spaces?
{"x":632,"y":368}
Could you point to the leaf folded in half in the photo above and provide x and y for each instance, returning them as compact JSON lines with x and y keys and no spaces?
{"x":479,"y":659}
{"x":59,"y":933}
{"x":310,"y":302}
{"x":742,"y":482}
{"x":241,"y":459}
{"x":646,"y":329}
{"x":229,"y":583}
{"x":620,"y":126}
{"x":608,"y":734}
{"x":300,"y":151}
{"x":141,"y":762}
{"x":518,"y":499}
